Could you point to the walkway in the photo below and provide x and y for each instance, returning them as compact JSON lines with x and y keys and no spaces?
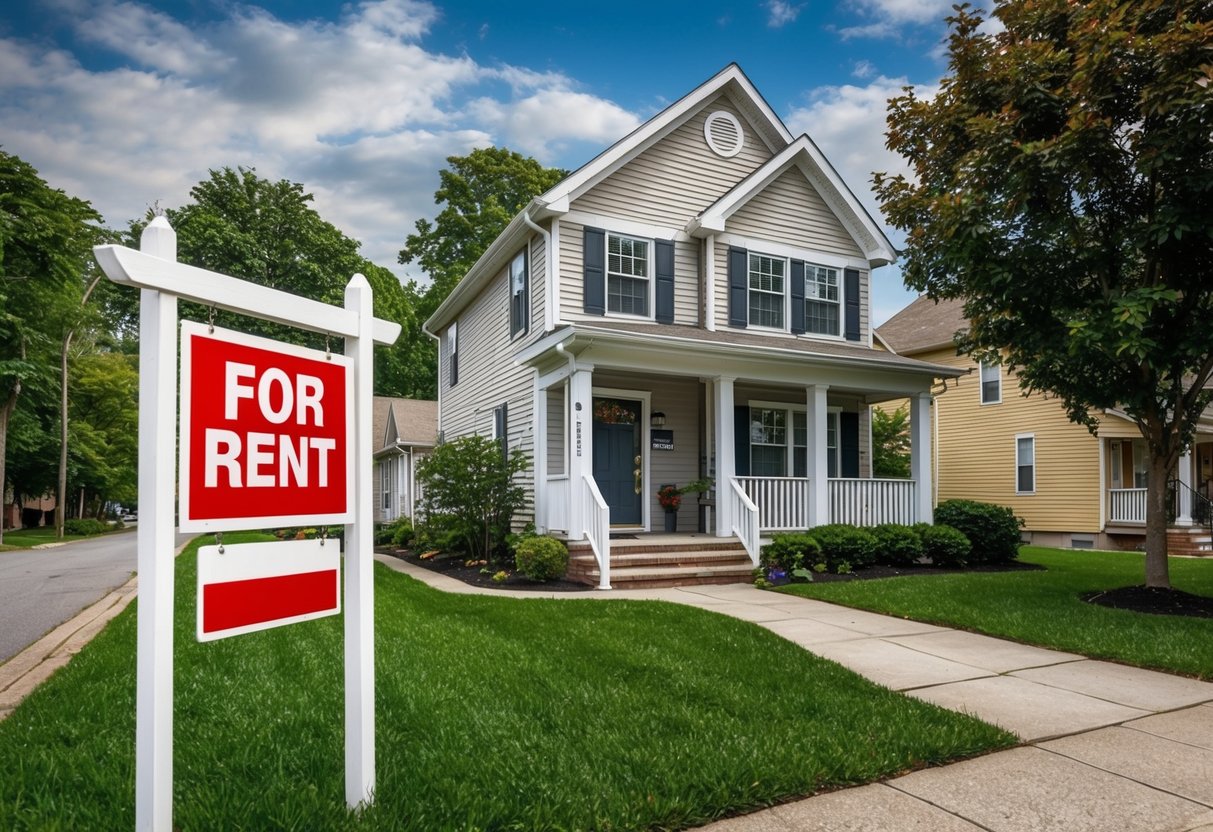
{"x":1108,"y":747}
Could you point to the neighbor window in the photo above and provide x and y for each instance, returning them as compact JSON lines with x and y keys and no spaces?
{"x":766,"y":291}
{"x":518,"y":294}
{"x":991,"y":383}
{"x":768,"y":442}
{"x":385,"y":471}
{"x":1025,"y":464}
{"x":627,"y":275}
{"x":821,"y":300}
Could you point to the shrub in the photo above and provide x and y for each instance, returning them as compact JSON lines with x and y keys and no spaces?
{"x":402,"y":532}
{"x":542,"y":558}
{"x":789,"y":552}
{"x":992,"y":530}
{"x":84,"y":526}
{"x":845,"y":544}
{"x":470,"y":495}
{"x":945,"y":546}
{"x":897,"y":545}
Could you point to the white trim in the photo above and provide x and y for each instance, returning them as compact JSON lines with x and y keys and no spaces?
{"x":723,"y":115}
{"x":539,"y":418}
{"x":821,"y":258}
{"x":650,"y":277}
{"x":644,"y":397}
{"x":1018,"y":437}
{"x":626,"y":227}
{"x":708,"y":285}
{"x":1104,"y":476}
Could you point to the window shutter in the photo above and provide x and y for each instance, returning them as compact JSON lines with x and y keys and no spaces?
{"x":452,"y":340}
{"x":741,"y":441}
{"x":520,"y":303}
{"x":738,"y":287}
{"x":664,"y":250}
{"x":797,"y":297}
{"x":501,"y":418}
{"x":851,"y":288}
{"x":593,"y":256}
{"x":848,"y":443}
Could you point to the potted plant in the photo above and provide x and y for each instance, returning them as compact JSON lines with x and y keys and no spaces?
{"x":670,"y":498}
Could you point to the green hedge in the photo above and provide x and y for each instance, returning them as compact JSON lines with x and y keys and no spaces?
{"x":541,"y":558}
{"x":897,"y":545}
{"x":84,"y":526}
{"x":992,"y":530}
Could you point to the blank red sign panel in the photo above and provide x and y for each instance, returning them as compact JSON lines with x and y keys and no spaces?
{"x":264,"y":433}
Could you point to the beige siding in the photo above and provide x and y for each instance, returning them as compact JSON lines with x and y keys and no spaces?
{"x":678,"y":177}
{"x":538,"y":299}
{"x":790,"y":211}
{"x":976,"y":452}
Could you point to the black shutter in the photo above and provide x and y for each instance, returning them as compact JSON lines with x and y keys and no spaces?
{"x":520,"y":304}
{"x":851,"y":289}
{"x":453,"y":346}
{"x":797,"y":297}
{"x":848,"y":439}
{"x":741,"y":440}
{"x":665,"y":281}
{"x":501,"y":419}
{"x":593,"y":256}
{"x":738,"y":287}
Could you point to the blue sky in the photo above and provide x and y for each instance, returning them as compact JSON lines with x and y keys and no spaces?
{"x":130,"y":103}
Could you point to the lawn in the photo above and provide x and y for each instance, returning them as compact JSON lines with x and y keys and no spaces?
{"x":1043,"y":607}
{"x":36,"y":536}
{"x":493,"y":713}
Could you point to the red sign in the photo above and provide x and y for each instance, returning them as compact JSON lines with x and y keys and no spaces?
{"x":263,"y":433}
{"x":247,"y":587}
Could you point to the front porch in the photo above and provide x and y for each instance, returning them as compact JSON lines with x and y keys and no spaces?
{"x":1189,"y":508}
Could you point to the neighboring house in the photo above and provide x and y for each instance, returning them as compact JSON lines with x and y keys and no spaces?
{"x":693,"y":302}
{"x":994,"y":443}
{"x":405,"y":430}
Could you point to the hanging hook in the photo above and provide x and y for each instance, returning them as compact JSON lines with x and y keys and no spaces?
{"x":210,"y":320}
{"x":219,"y":541}
{"x":328,"y":356}
{"x":324,"y":533}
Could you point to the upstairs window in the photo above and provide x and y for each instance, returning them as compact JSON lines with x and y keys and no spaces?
{"x":766,"y":280}
{"x":991,"y":383}
{"x":1025,"y":464}
{"x":627,"y":275}
{"x":519,"y":294}
{"x":822,"y":303}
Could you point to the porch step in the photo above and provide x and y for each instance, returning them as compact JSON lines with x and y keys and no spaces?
{"x":1192,"y":542}
{"x":639,"y":564}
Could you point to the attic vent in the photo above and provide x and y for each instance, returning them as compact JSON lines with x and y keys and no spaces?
{"x":723,"y":132}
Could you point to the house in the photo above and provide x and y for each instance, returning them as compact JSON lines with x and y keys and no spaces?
{"x":693,"y":302}
{"x":995,"y":444}
{"x":404,"y":431}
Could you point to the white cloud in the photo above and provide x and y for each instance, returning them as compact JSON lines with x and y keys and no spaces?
{"x":864,"y":69}
{"x":541,"y":124}
{"x":905,"y":11}
{"x":780,"y":13}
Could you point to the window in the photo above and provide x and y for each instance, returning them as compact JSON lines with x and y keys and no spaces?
{"x":768,"y":442}
{"x":991,"y":383}
{"x":832,"y":444}
{"x":766,"y":278}
{"x":385,"y":474}
{"x":1117,"y":465}
{"x":627,"y":275}
{"x":452,"y":349}
{"x":518,"y":294}
{"x":821,"y":300}
{"x":1025,"y":464}
{"x":1141,"y":474}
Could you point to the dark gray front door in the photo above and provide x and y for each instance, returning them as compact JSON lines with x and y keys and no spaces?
{"x":617,"y":462}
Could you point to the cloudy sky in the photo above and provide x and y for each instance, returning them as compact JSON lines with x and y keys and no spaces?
{"x":127,"y":104}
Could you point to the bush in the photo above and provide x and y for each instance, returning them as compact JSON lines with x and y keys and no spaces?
{"x":992,"y":530}
{"x":945,"y":546}
{"x":84,"y":526}
{"x":789,"y":552}
{"x":542,"y":558}
{"x":402,"y":532}
{"x":897,"y":545}
{"x":841,"y":544}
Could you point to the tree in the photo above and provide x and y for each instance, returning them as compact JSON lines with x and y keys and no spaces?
{"x":46,"y":240}
{"x":891,"y":443}
{"x":1063,"y":187}
{"x":480,"y":193}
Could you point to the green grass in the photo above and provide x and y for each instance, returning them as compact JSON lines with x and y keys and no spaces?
{"x":1044,"y":608}
{"x":36,"y":536}
{"x":493,"y":713}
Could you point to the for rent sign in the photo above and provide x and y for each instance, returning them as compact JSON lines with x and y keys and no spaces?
{"x":263,"y":433}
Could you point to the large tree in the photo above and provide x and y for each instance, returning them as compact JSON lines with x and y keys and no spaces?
{"x":479,"y":193}
{"x":1062,"y":186}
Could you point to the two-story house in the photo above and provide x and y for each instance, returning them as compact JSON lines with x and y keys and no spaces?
{"x":693,"y":302}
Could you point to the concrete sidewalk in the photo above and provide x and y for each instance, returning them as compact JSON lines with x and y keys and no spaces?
{"x":1108,"y":747}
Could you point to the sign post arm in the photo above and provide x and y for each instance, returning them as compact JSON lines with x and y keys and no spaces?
{"x":359,"y":587}
{"x":155,"y":542}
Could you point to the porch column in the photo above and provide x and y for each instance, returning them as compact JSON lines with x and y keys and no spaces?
{"x":540,"y":408}
{"x":726,"y":460}
{"x":1183,"y":514}
{"x":920,"y":456}
{"x":816,"y":416}
{"x":581,"y":450}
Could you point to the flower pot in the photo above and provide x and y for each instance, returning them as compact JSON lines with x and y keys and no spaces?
{"x":671,"y":522}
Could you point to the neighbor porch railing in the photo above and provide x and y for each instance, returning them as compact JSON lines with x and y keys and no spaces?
{"x":1126,"y":505}
{"x":597,"y":520}
{"x":745,"y":518}
{"x":870,"y":502}
{"x":783,"y":502}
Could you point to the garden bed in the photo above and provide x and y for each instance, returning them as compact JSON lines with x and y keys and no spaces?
{"x":454,"y":566}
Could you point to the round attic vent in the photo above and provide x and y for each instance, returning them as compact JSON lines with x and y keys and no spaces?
{"x":723,"y":132}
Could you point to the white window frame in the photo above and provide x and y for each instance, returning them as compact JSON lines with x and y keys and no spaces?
{"x":521,"y":325}
{"x":650,"y":278}
{"x":1019,"y":437}
{"x":385,"y":481}
{"x":984,"y":368}
{"x":785,"y":295}
{"x":841,"y":284}
{"x":788,"y":438}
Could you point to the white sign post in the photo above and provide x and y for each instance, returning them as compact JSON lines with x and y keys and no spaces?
{"x":162,"y":281}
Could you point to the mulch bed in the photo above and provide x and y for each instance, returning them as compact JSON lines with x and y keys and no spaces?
{"x":1153,"y":600}
{"x":454,"y":567}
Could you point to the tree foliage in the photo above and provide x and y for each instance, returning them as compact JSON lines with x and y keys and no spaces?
{"x":1063,"y":187}
{"x":891,"y":442}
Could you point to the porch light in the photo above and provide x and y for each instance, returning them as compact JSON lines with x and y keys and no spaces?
{"x":657,"y":419}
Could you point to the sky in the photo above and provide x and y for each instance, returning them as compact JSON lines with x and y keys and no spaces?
{"x":128,"y":104}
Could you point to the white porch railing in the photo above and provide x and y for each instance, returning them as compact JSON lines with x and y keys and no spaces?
{"x":597,"y":519}
{"x":557,"y":503}
{"x":783,"y":502}
{"x":870,"y":502}
{"x":1127,"y":505}
{"x":745,"y":518}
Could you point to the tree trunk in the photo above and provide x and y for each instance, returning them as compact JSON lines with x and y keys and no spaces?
{"x":1157,"y":568}
{"x":6,"y":410}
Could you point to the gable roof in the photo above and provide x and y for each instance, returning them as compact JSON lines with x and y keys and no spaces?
{"x":804,"y":155}
{"x":399,"y":421}
{"x":923,"y":325}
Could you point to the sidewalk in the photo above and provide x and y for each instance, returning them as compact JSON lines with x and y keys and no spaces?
{"x":1108,"y":747}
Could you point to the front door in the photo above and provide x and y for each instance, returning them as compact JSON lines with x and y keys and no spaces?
{"x":618,"y":467}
